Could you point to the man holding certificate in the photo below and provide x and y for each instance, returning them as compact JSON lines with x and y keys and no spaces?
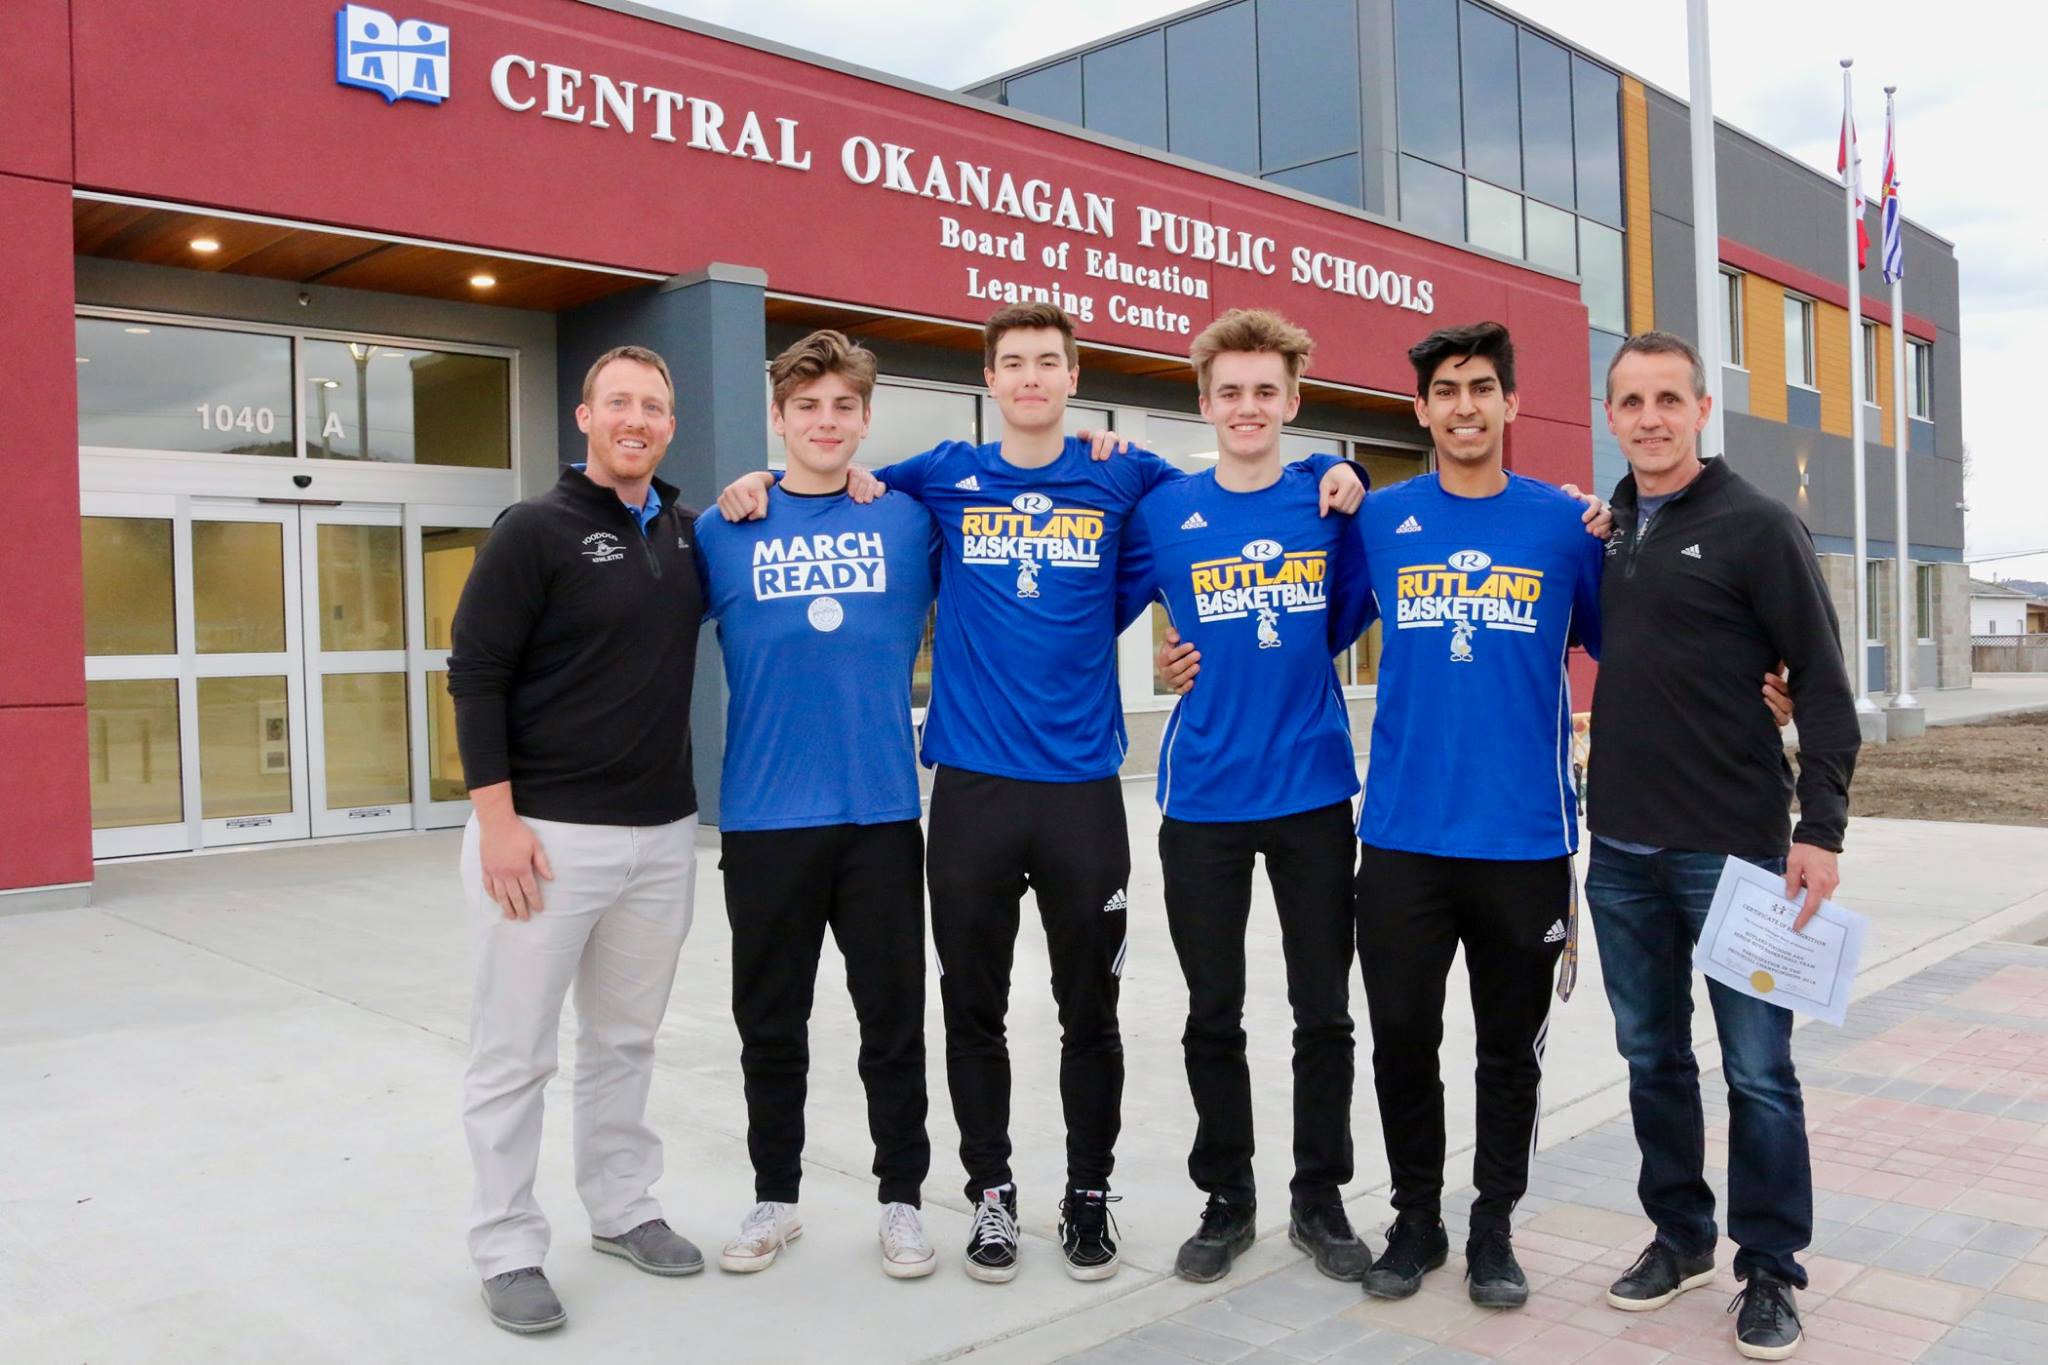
{"x":1709,"y":583}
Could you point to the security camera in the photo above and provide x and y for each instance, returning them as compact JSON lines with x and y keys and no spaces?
{"x":302,"y":480}
{"x":305,"y":299}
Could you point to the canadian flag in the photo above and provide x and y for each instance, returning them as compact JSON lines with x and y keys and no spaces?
{"x":1849,"y":165}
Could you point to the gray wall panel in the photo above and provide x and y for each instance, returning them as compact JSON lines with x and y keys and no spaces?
{"x":1670,"y":158}
{"x":1671,"y":275}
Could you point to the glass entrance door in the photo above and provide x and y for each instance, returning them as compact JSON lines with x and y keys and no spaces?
{"x":260,"y":671}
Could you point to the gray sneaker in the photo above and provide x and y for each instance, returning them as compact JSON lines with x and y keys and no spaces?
{"x":523,"y":1301}
{"x":655,"y":1248}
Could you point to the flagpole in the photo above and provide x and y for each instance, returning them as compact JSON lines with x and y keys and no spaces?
{"x":1908,"y":601}
{"x":1859,"y":660}
{"x":1706,"y":224}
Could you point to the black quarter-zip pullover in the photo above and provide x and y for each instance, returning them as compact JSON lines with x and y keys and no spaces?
{"x":1695,"y":609}
{"x":575,"y":649}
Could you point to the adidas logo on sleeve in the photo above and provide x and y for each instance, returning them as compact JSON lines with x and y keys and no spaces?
{"x":1194,"y":522}
{"x":970,"y":483}
{"x":1408,"y":527}
{"x":1555,"y":933}
{"x":1117,"y":901}
{"x":1691,"y":552}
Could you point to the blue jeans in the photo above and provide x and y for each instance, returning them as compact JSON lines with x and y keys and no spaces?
{"x":1648,"y":910}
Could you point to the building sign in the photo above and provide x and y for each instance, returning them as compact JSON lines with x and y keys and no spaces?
{"x":407,"y":61}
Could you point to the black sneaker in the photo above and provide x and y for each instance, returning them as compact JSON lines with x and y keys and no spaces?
{"x":992,"y":1241}
{"x":1414,"y":1245}
{"x":1227,"y":1229}
{"x":1659,"y":1276}
{"x":1325,"y":1234}
{"x":1087,"y":1234}
{"x":1493,"y":1277}
{"x":1766,"y":1317}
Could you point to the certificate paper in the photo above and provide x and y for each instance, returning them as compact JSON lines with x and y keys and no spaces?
{"x":1748,"y":945}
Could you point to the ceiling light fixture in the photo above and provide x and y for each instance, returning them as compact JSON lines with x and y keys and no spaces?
{"x":136,"y":331}
{"x":205,"y":246}
{"x":482,"y":281}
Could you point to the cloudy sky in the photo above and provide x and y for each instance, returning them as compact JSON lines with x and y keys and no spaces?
{"x":1967,"y":139}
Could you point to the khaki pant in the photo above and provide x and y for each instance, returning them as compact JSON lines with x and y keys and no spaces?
{"x":612,"y":923}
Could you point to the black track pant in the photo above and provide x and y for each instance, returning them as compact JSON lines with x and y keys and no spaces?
{"x":782,"y":889}
{"x":1208,"y":869}
{"x":1414,"y":910}
{"x":991,"y":837}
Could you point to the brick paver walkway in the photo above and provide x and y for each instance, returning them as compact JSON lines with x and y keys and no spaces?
{"x":1929,"y":1121}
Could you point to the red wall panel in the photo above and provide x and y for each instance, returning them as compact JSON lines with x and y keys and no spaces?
{"x":42,"y":609}
{"x":35,"y":88}
{"x":45,"y":797}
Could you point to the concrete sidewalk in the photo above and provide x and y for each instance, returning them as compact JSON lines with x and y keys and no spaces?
{"x":1989,"y":695}
{"x":228,"y":1113}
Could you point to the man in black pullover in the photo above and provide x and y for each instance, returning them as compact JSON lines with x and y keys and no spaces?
{"x":575,"y":644}
{"x":1708,"y":584}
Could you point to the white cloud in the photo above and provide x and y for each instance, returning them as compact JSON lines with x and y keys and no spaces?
{"x":1967,"y":138}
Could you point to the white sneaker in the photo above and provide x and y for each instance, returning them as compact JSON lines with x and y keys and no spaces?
{"x":906,"y":1255}
{"x":764,"y":1232}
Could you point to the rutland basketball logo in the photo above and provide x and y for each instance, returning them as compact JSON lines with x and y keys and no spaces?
{"x":1261,"y":582}
{"x":1467,"y":593}
{"x":1031,"y":534}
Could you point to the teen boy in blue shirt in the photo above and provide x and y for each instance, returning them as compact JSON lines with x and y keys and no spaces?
{"x":820,"y":609}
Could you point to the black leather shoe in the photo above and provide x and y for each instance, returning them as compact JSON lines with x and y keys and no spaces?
{"x":1659,"y":1276}
{"x":1493,"y":1277}
{"x":1323,"y":1231}
{"x":1766,"y":1317}
{"x":1414,"y":1246}
{"x":1227,"y":1230}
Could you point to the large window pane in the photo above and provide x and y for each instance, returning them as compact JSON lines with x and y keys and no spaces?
{"x":403,"y":405}
{"x":1054,"y":92}
{"x":1124,"y":89}
{"x":245,"y":749}
{"x":447,"y":553}
{"x":128,"y":590}
{"x":1600,"y":277}
{"x":363,"y":719}
{"x":1185,"y":442}
{"x":1493,"y":104}
{"x":1308,"y":80}
{"x":1596,"y":134}
{"x":1546,"y":120}
{"x":905,"y":421}
{"x":1609,"y":464}
{"x":1079,"y":418}
{"x":238,"y":586}
{"x":146,"y":386}
{"x":1493,"y":218}
{"x":1212,"y":110}
{"x":1920,"y":380}
{"x":1335,"y":179}
{"x":1426,"y":80}
{"x":132,"y":751}
{"x":1553,"y":237}
{"x":1432,"y":199}
{"x":362,"y":588}
{"x":1600,"y":349}
{"x":1798,"y":341}
{"x":444,"y":759}
{"x":1731,"y":319}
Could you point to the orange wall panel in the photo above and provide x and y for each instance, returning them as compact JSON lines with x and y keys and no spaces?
{"x":1763,"y":344}
{"x":1635,"y":165}
{"x":1831,"y":366}
{"x":1883,"y":436}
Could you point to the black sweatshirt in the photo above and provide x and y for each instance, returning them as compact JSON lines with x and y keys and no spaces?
{"x":575,"y":646}
{"x":1721,"y":586}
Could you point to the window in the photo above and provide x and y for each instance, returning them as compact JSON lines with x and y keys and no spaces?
{"x":1308,"y":81}
{"x":1596,"y":138}
{"x":1600,"y":275}
{"x":1432,"y":199}
{"x":406,"y":405}
{"x":1600,"y":349}
{"x":1553,"y":237}
{"x":1870,"y":363}
{"x":1492,"y":97}
{"x":1426,"y":81}
{"x":1920,"y":380}
{"x":1877,"y":574}
{"x":1212,"y":110}
{"x":1546,"y":121}
{"x":1731,"y":319}
{"x":1123,"y":89}
{"x":1923,"y":602}
{"x":1799,"y":341}
{"x":1053,"y":91}
{"x":1335,"y":179}
{"x":1493,"y":218}
{"x":147,"y":386}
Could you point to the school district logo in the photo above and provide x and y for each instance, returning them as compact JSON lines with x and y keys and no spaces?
{"x":400,"y":61}
{"x":825,"y":614}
